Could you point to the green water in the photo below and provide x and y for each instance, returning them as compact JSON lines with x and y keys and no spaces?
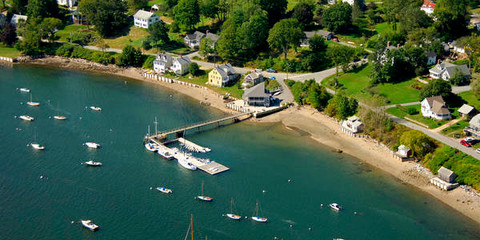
{"x":117,"y":197}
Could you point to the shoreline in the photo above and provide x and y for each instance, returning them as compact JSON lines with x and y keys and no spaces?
{"x":324,"y":130}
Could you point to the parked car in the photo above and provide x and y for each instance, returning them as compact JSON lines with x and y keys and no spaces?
{"x":469,"y":139}
{"x":465,"y":143}
{"x":271,"y":70}
{"x":478,"y":150}
{"x":272,"y":78}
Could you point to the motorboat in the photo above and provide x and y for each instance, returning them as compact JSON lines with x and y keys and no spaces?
{"x":25,"y":90}
{"x":92,"y":145}
{"x":335,"y":207}
{"x":203,"y":197}
{"x":164,"y":190}
{"x":89,"y":225}
{"x":37,"y":146}
{"x":165,"y":154}
{"x":95,"y":108}
{"x":26,"y":118}
{"x":32,"y":103}
{"x":151,"y":147}
{"x":59,"y":117}
{"x":257,"y":218}
{"x":92,"y":163}
{"x":186,"y":164}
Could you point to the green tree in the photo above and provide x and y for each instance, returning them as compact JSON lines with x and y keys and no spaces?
{"x":187,"y":14}
{"x":8,"y":36}
{"x":437,"y":87}
{"x":419,"y":143}
{"x":340,"y":56}
{"x":42,"y":8}
{"x":158,"y":35}
{"x":475,"y":84}
{"x":194,"y":69}
{"x":136,"y":4}
{"x":31,"y":39}
{"x":19,"y":6}
{"x":303,"y":12}
{"x":338,"y":17}
{"x":208,"y":8}
{"x":284,"y":35}
{"x":451,"y":16}
{"x":318,"y":96}
{"x":108,"y":16}
{"x":131,"y":57}
{"x":227,"y":45}
{"x":317,"y":43}
{"x":207,"y":47}
{"x":458,"y":78}
{"x":341,"y":107}
{"x":49,"y":26}
{"x":274,"y":8}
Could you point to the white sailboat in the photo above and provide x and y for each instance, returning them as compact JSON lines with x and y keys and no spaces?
{"x":258,"y":218}
{"x":58,"y":116}
{"x":92,"y":163}
{"x":335,"y":206}
{"x":32,"y":103}
{"x":164,"y":190}
{"x":95,"y":108}
{"x":27,"y":118}
{"x":92,"y":145}
{"x":89,"y":225}
{"x":35,"y":145}
{"x":25,"y":90}
{"x":183,"y":161}
{"x":203,"y":197}
{"x":232,"y":215}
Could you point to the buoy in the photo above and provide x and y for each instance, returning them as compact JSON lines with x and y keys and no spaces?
{"x":264,"y":191}
{"x":321,"y":205}
{"x":355,"y":213}
{"x":289,"y":180}
{"x":246,"y":217}
{"x":41,"y":177}
{"x":151,"y":188}
{"x":80,"y":118}
{"x":73,"y":222}
{"x":291,"y":225}
{"x":309,"y":229}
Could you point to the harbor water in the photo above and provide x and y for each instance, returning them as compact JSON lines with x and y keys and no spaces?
{"x":43,"y":194}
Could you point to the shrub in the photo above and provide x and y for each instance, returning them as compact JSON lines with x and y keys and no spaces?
{"x":102,"y":57}
{"x":82,"y":38}
{"x":80,"y":52}
{"x":412,"y":111}
{"x":148,"y":64}
{"x":193,"y":69}
{"x":65,"y":50}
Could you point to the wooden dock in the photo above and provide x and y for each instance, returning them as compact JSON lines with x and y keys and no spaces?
{"x":213,"y":168}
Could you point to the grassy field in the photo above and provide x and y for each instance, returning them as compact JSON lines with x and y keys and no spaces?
{"x":401,"y":112}
{"x":134,"y":37}
{"x":356,"y":84}
{"x":456,"y":130}
{"x":8,"y":52}
{"x":470,"y":98}
{"x":65,"y":33}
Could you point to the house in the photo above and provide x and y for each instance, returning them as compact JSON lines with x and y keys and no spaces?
{"x":78,"y":18}
{"x":353,"y":125}
{"x":428,"y":6}
{"x":155,"y":7}
{"x":404,"y":152}
{"x":473,"y":128}
{"x":467,"y":111}
{"x":16,"y":18}
{"x":252,"y":79}
{"x":145,"y":19}
{"x":213,"y":37}
{"x":67,"y":3}
{"x":181,"y":65}
{"x":457,"y":47}
{"x":162,"y":63}
{"x":3,"y":20}
{"x":257,"y":96}
{"x":447,"y":70}
{"x":431,"y":58}
{"x":445,"y":180}
{"x":351,"y":2}
{"x":308,"y":35}
{"x":193,"y":40}
{"x":434,"y":107}
{"x":222,"y":75}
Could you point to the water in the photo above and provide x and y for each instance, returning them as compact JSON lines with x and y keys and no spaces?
{"x":117,"y":196}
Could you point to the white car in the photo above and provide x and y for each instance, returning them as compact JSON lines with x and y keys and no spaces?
{"x":469,"y":139}
{"x":478,"y":150}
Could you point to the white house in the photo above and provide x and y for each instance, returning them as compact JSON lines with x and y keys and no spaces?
{"x":428,"y":7}
{"x":457,"y":47}
{"x":446,"y":70}
{"x":257,"y":96}
{"x":434,"y":107}
{"x":181,"y":65}
{"x":17,"y":18}
{"x":67,"y":3}
{"x":193,"y":40}
{"x":145,"y":19}
{"x":353,"y":124}
{"x":162,"y":63}
{"x":431,"y":58}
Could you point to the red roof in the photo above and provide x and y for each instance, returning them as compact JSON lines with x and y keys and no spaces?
{"x":428,"y":4}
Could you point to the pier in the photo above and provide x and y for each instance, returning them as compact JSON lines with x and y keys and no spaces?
{"x":193,"y":146}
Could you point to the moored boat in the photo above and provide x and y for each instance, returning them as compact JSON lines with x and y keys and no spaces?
{"x":92,"y":163}
{"x":151,"y":147}
{"x":165,"y":154}
{"x":183,"y":161}
{"x":37,"y":146}
{"x":256,"y":217}
{"x":32,"y":103}
{"x":59,"y":117}
{"x":92,"y":145}
{"x":231,"y":215}
{"x":164,"y":190}
{"x":89,"y":225}
{"x":335,"y":207}
{"x":95,"y":108}
{"x":25,"y":90}
{"x":203,"y":197}
{"x":26,"y":118}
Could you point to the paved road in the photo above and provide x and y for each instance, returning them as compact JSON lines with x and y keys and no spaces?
{"x":461,"y":89}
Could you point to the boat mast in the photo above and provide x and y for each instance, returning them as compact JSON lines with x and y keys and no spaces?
{"x":191,"y":223}
{"x":156,"y":123}
{"x":148,"y":132}
{"x":202,"y":186}
{"x":231,"y":205}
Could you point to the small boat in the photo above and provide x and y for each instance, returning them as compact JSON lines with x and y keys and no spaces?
{"x":92,"y":163}
{"x":37,"y":146}
{"x":92,"y":145}
{"x":165,"y":154}
{"x":231,"y":215}
{"x":95,"y":108}
{"x":203,"y":197}
{"x":164,"y":190}
{"x":151,"y":147}
{"x":258,"y":218}
{"x":25,"y":90}
{"x":186,"y":164}
{"x":32,"y":103}
{"x":26,"y":118}
{"x":335,"y":207}
{"x":58,"y":116}
{"x":89,"y":225}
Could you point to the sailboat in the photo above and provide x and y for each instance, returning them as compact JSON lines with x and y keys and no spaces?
{"x":231,"y":215}
{"x":36,"y":145}
{"x":256,"y":217}
{"x":204,"y":198}
{"x":58,"y":116}
{"x":32,"y":103}
{"x":190,"y":228}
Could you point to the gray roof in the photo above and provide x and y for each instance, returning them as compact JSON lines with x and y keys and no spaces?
{"x":439,"y":108}
{"x":475,"y":121}
{"x":253,"y":75}
{"x":433,"y":99}
{"x":319,"y":32}
{"x":256,"y":91}
{"x":446,"y":174}
{"x":225,"y":70}
{"x":183,"y":60}
{"x":143,"y":14}
{"x":403,"y":148}
{"x":463,"y":68}
{"x":465,"y":109}
{"x":212,"y":36}
{"x":195,"y":36}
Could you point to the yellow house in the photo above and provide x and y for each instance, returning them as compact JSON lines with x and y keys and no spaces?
{"x":221,"y":76}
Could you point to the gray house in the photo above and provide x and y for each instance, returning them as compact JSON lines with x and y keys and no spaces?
{"x":213,"y":37}
{"x":446,"y":70}
{"x":252,"y":79}
{"x":467,"y":111}
{"x":193,"y":40}
{"x":431,"y":58}
{"x":257,"y":96}
{"x":162,"y":63}
{"x":473,"y":128}
{"x":446,"y":175}
{"x":308,"y":35}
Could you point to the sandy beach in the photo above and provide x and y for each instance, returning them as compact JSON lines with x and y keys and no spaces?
{"x":320,"y":127}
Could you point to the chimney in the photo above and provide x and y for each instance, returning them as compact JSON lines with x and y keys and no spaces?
{"x":438,"y":61}
{"x":388,"y":44}
{"x":398,"y":45}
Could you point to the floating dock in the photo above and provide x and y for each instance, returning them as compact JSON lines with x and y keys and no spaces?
{"x":193,"y":146}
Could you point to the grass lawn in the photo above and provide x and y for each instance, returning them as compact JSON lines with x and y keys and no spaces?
{"x":382,"y":27}
{"x":470,"y":98}
{"x":134,"y":37}
{"x":68,"y":30}
{"x":9,"y":52}
{"x":401,"y":112}
{"x":456,"y":129}
{"x":356,"y":83}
